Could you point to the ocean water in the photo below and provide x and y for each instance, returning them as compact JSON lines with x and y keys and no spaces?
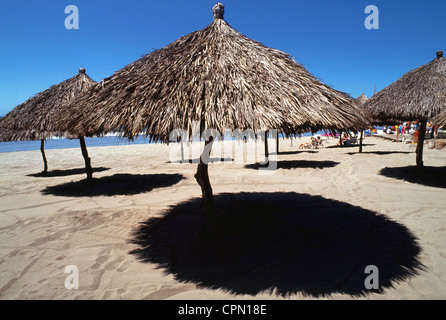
{"x":17,"y":146}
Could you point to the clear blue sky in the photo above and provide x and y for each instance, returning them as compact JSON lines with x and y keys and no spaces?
{"x":327,"y":36}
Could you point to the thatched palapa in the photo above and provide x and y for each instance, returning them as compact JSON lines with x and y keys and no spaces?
{"x":220,"y":78}
{"x":360,"y":101}
{"x":216,"y":77}
{"x":418,"y":95}
{"x":35,"y":118}
{"x":440,"y":120}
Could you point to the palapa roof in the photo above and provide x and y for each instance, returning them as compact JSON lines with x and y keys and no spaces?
{"x":419,"y":94}
{"x":220,"y":78}
{"x":361,"y":99}
{"x":35,"y":118}
{"x":440,"y":120}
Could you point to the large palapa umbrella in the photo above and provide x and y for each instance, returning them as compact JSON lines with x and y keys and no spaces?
{"x":418,"y":95}
{"x":35,"y":118}
{"x":220,"y":79}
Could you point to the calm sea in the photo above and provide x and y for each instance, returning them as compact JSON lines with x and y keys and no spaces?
{"x":66,"y":144}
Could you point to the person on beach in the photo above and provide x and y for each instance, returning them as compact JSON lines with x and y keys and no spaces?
{"x":307,"y":144}
{"x":343,"y":139}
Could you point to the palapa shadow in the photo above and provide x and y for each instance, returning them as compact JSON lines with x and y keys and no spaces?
{"x":293,"y":164}
{"x":295,"y":152}
{"x":197,"y":160}
{"x":65,"y":173}
{"x":349,"y":146}
{"x":430,"y":176}
{"x":278,"y":243}
{"x":118,"y":184}
{"x":381,"y":153}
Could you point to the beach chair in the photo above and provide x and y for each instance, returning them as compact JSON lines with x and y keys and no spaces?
{"x":306,"y":145}
{"x":313,"y":144}
{"x":351,"y":141}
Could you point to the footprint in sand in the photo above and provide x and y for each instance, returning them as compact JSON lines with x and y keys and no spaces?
{"x":99,"y":261}
{"x":118,"y":264}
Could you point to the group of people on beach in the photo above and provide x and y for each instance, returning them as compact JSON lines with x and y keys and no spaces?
{"x":314,"y":143}
{"x":410,"y":128}
{"x":346,"y":139}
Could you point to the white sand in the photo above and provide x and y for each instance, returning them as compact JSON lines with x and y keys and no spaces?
{"x":42,"y":234}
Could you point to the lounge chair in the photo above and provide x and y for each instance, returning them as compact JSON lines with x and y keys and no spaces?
{"x":351,"y":141}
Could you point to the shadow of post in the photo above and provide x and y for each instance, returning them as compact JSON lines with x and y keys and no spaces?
{"x":279,"y":243}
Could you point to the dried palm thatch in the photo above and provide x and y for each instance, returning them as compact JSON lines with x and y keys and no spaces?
{"x":440,"y":120}
{"x":35,"y":118}
{"x":218,"y":78}
{"x":221,"y":79}
{"x":418,"y":95}
{"x":361,"y":100}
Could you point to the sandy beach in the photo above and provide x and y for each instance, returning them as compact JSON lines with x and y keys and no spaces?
{"x":307,"y":231}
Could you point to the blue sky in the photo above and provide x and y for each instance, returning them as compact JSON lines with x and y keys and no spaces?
{"x":327,"y":36}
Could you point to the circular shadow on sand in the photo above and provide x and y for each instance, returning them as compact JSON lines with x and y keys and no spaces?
{"x":279,"y":243}
{"x":118,"y":184}
{"x":430,"y":176}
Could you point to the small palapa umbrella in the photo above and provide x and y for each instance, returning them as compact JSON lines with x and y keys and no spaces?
{"x":220,"y":79}
{"x":360,"y":101}
{"x":418,"y":95}
{"x":440,"y":120}
{"x":35,"y":118}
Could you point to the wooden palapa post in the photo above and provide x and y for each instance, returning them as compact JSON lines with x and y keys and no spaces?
{"x":42,"y":150}
{"x":266,"y":146}
{"x":361,"y":136}
{"x":420,"y":145}
{"x":87,"y":159}
{"x":202,"y":177}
